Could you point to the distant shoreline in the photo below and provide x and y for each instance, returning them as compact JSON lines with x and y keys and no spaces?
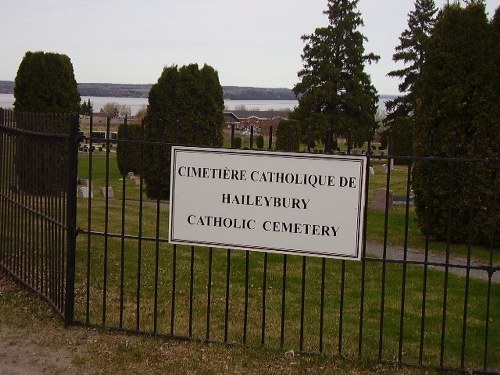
{"x":117,"y":90}
{"x":142,"y":90}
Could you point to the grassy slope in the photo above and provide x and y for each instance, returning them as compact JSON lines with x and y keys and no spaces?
{"x":34,"y":341}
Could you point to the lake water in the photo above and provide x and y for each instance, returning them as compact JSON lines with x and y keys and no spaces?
{"x":7,"y":101}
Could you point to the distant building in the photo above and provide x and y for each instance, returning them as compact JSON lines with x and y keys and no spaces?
{"x":99,"y":117}
{"x":261,"y":121}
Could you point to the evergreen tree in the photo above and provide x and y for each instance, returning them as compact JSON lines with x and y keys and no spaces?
{"x":335,"y":93}
{"x":411,"y":53}
{"x":185,"y":107}
{"x":45,"y":83}
{"x":86,"y":109}
{"x":459,"y":116}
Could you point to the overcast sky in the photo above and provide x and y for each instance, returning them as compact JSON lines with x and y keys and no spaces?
{"x":250,"y":43}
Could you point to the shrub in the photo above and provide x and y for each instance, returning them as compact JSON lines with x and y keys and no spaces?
{"x":237,"y":142}
{"x":400,"y":140}
{"x":288,"y":135}
{"x":128,"y":150}
{"x":259,"y":140}
{"x":185,"y":107}
{"x":45,"y":84}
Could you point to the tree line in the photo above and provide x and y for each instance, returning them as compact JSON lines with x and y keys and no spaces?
{"x":448,"y":107}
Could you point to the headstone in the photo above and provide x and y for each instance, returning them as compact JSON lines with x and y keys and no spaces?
{"x":85,"y":192}
{"x":136,"y":180}
{"x":131,"y":175}
{"x":384,"y":167}
{"x":379,"y":196}
{"x":109,"y":192}
{"x":372,"y":171}
{"x":84,"y":182}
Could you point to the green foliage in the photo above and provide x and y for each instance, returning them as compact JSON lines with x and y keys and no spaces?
{"x":288,"y":135}
{"x":459,"y":116}
{"x":237,"y":142}
{"x":185,"y":107}
{"x":45,"y":83}
{"x":86,"y":108}
{"x":129,"y":150}
{"x":259,"y":140}
{"x":399,"y":139}
{"x":335,"y":93}
{"x":410,"y":52}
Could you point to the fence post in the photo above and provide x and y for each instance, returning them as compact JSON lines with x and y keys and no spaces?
{"x":71,"y":229}
{"x":270,"y":137}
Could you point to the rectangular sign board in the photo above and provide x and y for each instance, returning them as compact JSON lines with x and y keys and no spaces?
{"x":293,"y":203}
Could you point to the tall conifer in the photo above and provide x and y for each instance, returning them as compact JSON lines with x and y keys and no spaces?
{"x":411,"y":53}
{"x":458,"y":117}
{"x":335,"y":93}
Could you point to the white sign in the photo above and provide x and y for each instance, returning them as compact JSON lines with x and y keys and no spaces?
{"x":303,"y":204}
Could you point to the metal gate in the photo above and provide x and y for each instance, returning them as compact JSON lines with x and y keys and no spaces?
{"x":37,"y":203}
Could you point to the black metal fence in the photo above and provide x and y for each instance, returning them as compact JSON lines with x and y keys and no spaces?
{"x":37,"y":203}
{"x":410,"y":300}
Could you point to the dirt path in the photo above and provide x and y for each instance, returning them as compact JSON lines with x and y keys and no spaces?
{"x":457,"y":265}
{"x":27,"y":346}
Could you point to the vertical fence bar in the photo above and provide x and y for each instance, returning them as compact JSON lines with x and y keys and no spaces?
{"x":405,"y":260}
{"x":157,"y":261}
{"x":491,"y":270}
{"x":123,"y":146}
{"x":174,"y":278}
{"x":384,"y":264}
{"x":363,"y":253}
{"x":140,"y":235}
{"x":64,"y":121}
{"x":448,"y":243}
{"x":270,"y":138}
{"x":245,"y":314}
{"x":322,"y":305}
{"x":89,"y":222}
{"x":106,"y":203}
{"x":71,"y":231}
{"x":228,"y":284}
{"x":191,"y":292}
{"x":283,"y":303}
{"x":302,"y":304}
{"x":209,"y":292}
{"x":341,"y":307}
{"x":469,"y":257}
{"x":251,"y":137}
{"x":264,"y":295}
{"x":426,"y":256}
{"x":232,"y":135}
{"x":3,"y":181}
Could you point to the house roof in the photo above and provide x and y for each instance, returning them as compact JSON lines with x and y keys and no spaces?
{"x":230,"y":117}
{"x":261,"y":115}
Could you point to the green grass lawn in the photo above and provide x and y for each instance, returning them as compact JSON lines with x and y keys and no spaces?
{"x":125,"y":272}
